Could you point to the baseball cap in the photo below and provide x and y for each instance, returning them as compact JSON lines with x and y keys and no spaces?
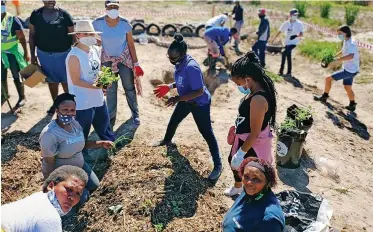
{"x":294,"y":11}
{"x":111,"y":3}
{"x":262,"y":11}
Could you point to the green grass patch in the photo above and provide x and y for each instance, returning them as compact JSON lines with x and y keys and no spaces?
{"x":316,"y":50}
{"x":274,"y":76}
{"x":364,"y":79}
{"x":332,"y":24}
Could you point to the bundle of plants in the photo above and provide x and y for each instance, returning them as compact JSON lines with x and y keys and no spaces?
{"x":328,"y":58}
{"x":106,"y":77}
{"x":302,"y":116}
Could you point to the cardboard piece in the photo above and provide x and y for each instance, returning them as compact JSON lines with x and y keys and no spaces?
{"x":32,"y":75}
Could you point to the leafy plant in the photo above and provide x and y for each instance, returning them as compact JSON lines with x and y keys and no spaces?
{"x":117,"y":143}
{"x":301,"y":6}
{"x":325,"y":9}
{"x":351,"y":13}
{"x":328,"y":58}
{"x":274,"y":76}
{"x":106,"y":77}
{"x":288,"y":125}
{"x":303,"y":113}
{"x":158,"y":227}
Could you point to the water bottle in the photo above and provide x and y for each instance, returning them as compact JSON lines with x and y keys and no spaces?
{"x":143,"y":39}
{"x":327,"y":167}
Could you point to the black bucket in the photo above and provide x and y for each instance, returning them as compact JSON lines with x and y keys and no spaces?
{"x":289,"y":148}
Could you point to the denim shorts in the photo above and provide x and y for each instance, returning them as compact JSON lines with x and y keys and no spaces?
{"x":347,"y":77}
{"x":53,"y":65}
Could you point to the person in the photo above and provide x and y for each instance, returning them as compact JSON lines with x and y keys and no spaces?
{"x":13,"y":56}
{"x":83,"y":65}
{"x":49,"y":27}
{"x":62,"y":142}
{"x":349,"y":56}
{"x":256,"y":114}
{"x":217,"y":21}
{"x":263,"y":36}
{"x":216,"y":38}
{"x":42,"y":211}
{"x":293,"y":29}
{"x":257,"y":208}
{"x":193,"y":97}
{"x":119,"y":53}
{"x":238,"y":17}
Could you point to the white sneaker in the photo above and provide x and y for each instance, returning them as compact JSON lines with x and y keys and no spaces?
{"x":232,"y":191}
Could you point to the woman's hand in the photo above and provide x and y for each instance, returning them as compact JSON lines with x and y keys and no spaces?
{"x":173,"y":101}
{"x":106,"y":144}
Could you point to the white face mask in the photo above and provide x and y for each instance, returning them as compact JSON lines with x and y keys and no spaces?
{"x":294,"y":17}
{"x":89,"y":41}
{"x":56,"y":204}
{"x":113,"y":14}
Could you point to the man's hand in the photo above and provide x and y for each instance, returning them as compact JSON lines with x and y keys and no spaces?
{"x":293,"y":37}
{"x":173,"y":101}
{"x":106,"y":144}
{"x":161,"y":90}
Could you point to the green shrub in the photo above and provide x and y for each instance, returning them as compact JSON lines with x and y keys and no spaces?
{"x":255,"y":2}
{"x":351,"y":13}
{"x":317,"y":50}
{"x":325,"y":9}
{"x":301,"y":6}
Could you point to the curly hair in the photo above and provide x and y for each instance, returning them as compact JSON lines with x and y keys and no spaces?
{"x":269,"y":173}
{"x":63,"y":173}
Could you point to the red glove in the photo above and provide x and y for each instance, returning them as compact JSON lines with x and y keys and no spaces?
{"x":138,"y":71}
{"x":161,"y":91}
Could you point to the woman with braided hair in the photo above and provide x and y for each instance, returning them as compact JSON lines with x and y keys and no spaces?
{"x":251,"y":136}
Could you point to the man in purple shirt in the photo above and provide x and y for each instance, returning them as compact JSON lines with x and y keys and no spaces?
{"x":216,"y":38}
{"x":193,"y":98}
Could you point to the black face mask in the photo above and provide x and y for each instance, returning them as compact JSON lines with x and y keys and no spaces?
{"x":176,"y":60}
{"x":261,"y":16}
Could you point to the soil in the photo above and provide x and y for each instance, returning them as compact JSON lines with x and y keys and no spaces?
{"x":161,"y":188}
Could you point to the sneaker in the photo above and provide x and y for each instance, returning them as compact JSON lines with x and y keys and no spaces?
{"x":233,"y":191}
{"x":289,"y":75}
{"x":136,"y":121}
{"x":352,"y":107}
{"x":216,"y":172}
{"x":321,"y":98}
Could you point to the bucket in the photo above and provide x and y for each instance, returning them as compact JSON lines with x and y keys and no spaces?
{"x":289,"y":148}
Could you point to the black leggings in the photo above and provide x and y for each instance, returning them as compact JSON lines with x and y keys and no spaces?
{"x":250,"y":153}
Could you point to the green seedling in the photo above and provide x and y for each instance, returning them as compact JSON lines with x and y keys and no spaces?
{"x":106,"y":77}
{"x":288,"y":125}
{"x":328,"y":58}
{"x":303,"y":113}
{"x":158,"y":227}
{"x":117,"y":143}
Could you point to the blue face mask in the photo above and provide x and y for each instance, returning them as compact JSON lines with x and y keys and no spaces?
{"x":65,"y":119}
{"x":243,"y":90}
{"x":341,"y":37}
{"x":3,"y":8}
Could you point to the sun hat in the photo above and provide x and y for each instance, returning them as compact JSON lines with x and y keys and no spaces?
{"x":84,"y":26}
{"x":111,"y":3}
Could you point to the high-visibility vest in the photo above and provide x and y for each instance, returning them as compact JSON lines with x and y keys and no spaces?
{"x":7,"y":40}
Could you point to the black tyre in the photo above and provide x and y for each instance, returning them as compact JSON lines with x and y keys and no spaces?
{"x":200,"y":30}
{"x":137,"y":21}
{"x":153,"y":27}
{"x":138,"y":28}
{"x":274,"y":48}
{"x":169,"y":29}
{"x":186,"y":31}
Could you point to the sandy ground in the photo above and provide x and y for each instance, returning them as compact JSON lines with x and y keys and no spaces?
{"x":336,"y":134}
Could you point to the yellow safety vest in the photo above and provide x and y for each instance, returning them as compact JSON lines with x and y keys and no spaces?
{"x":7,"y":40}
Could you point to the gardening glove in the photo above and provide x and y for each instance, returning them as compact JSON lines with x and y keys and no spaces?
{"x":293,"y":37}
{"x":237,"y":159}
{"x":138,"y":70}
{"x":161,"y":90}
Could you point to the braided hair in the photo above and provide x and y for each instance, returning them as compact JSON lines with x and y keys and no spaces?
{"x":249,"y":66}
{"x":179,"y":44}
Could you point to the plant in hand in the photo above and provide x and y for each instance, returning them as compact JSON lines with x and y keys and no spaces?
{"x":106,"y":77}
{"x":328,"y":58}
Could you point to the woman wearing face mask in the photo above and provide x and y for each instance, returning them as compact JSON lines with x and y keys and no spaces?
{"x":257,"y":208}
{"x":193,"y":97}
{"x":119,"y":53}
{"x":83,"y":64}
{"x":256,"y":114}
{"x":62,"y":142}
{"x":350,"y":68}
{"x":42,"y":211}
{"x":293,"y":29}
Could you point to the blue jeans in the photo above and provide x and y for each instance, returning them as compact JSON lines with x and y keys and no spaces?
{"x":201,"y":115}
{"x":53,"y":65}
{"x":99,"y":118}
{"x":259,"y":48}
{"x":127,"y":79}
{"x":92,"y":184}
{"x":286,"y":54}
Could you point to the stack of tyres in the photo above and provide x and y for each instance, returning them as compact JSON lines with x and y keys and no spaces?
{"x":290,"y":143}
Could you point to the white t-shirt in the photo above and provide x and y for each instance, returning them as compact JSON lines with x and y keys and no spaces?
{"x":90,"y":65}
{"x":349,"y":47}
{"x":292,"y":28}
{"x":34,"y":213}
{"x":217,"y":21}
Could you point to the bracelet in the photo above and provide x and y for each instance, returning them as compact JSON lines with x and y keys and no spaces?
{"x":136,"y":64}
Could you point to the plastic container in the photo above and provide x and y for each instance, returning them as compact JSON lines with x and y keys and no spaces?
{"x":143,"y":39}
{"x":327,"y":167}
{"x":289,"y":149}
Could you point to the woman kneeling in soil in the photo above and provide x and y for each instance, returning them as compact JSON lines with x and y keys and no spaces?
{"x":193,"y":98}
{"x":256,"y":113}
{"x":62,"y":142}
{"x":42,"y":211}
{"x":257,"y":208}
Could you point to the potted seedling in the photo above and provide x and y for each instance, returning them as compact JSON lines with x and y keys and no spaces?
{"x":303,"y":116}
{"x":106,"y":77}
{"x":328,"y":58}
